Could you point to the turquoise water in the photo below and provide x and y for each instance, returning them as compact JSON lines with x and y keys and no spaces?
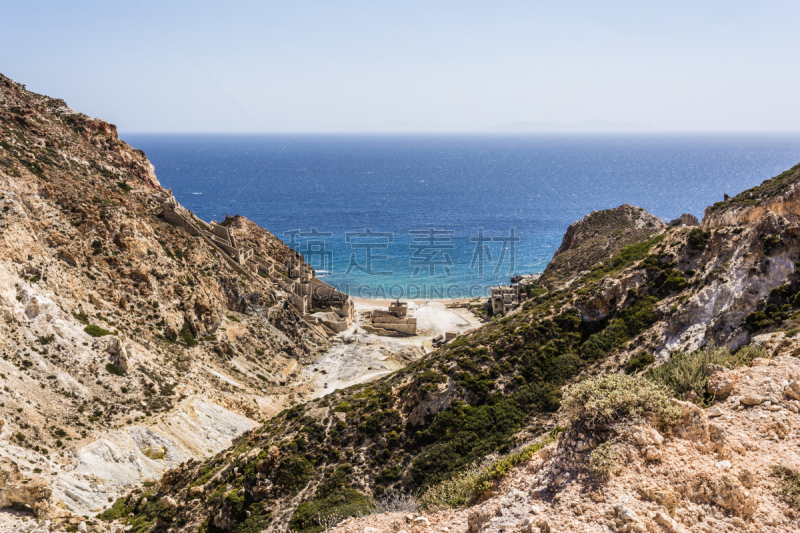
{"x":342,"y":197}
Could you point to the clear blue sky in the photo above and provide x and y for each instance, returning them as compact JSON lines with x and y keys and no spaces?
{"x":411,"y":65}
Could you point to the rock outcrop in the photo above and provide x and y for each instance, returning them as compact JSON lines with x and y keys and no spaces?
{"x":686,"y":219}
{"x":598,"y":236}
{"x":17,"y":491}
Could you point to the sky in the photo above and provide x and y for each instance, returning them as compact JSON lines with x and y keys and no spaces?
{"x":412,"y":66}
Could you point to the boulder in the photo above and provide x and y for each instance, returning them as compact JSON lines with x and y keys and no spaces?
{"x":751,"y":400}
{"x":35,"y":494}
{"x":154,"y":452}
{"x":646,"y":436}
{"x":268,"y":463}
{"x":32,"y":309}
{"x":792,"y":391}
{"x":725,"y":491}
{"x":721,"y":382}
{"x":118,"y":354}
{"x":693,"y":424}
{"x":169,"y":503}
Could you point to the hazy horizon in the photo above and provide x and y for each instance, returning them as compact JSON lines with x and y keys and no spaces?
{"x":412,"y":67}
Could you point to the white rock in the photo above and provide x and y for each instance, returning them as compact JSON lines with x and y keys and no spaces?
{"x":422,"y":521}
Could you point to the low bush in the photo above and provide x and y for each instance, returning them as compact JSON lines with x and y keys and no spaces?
{"x":334,"y":500}
{"x":293,"y":473}
{"x":614,"y":397}
{"x":187,"y":336}
{"x":771,"y":242}
{"x":602,"y":460}
{"x":96,"y":331}
{"x":639,"y":361}
{"x":790,"y":484}
{"x":698,"y":239}
{"x":468,"y":486}
{"x":685,"y":372}
{"x":111,"y":368}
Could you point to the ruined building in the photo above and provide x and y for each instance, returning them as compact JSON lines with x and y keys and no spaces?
{"x":503,"y":299}
{"x":393,"y":322}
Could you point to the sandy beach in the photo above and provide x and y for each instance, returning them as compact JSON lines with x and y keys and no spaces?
{"x":357,"y":356}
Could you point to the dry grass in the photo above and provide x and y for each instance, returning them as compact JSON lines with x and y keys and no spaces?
{"x":686,"y":372}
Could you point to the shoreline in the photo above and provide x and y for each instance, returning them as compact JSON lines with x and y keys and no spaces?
{"x":418,"y":301}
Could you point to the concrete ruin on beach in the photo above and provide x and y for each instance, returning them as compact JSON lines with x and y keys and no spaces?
{"x":393,"y":322}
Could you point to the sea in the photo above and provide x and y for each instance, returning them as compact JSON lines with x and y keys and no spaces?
{"x":386,"y":216}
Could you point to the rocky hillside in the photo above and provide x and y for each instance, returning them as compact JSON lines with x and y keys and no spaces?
{"x":722,"y":469}
{"x":598,"y":236}
{"x":128,"y":346}
{"x":662,"y":293}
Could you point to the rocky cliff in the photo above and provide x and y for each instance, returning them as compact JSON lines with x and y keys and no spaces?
{"x":598,"y":236}
{"x":128,"y":345}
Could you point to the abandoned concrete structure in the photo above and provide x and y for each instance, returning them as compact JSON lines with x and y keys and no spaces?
{"x":503,"y":299}
{"x":332,"y":310}
{"x":392,"y":322}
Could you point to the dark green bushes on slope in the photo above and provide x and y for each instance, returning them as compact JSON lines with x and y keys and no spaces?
{"x":334,"y":497}
{"x":293,"y":473}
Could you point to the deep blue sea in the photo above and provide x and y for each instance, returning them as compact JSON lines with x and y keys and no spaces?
{"x":443,"y":216}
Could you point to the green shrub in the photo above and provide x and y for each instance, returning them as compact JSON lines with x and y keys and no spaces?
{"x":639,"y":361}
{"x":468,"y":486}
{"x":334,"y":501}
{"x":685,"y":372}
{"x":187,"y":336}
{"x":613,"y":397}
{"x":463,"y":434}
{"x":118,"y":510}
{"x":771,"y":242}
{"x":293,"y":473}
{"x":111,"y":368}
{"x":698,"y":239}
{"x":96,"y":331}
{"x":790,"y":484}
{"x":602,"y":460}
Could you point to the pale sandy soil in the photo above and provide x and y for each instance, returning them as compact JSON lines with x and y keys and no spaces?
{"x":16,"y":521}
{"x":357,"y":356}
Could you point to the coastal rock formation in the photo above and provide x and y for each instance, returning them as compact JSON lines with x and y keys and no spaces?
{"x":598,"y":236}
